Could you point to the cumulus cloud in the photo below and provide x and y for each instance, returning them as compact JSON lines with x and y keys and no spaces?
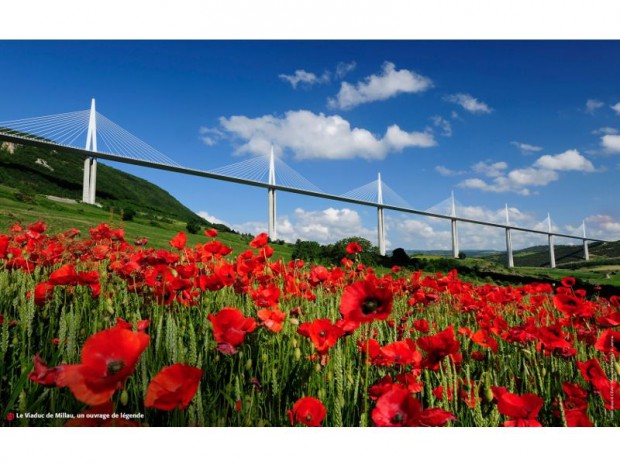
{"x":389,"y":83}
{"x":211,"y":218}
{"x":592,"y":105}
{"x":611,"y":143}
{"x":570,"y":160}
{"x":616,"y":108}
{"x":526,"y":148}
{"x":443,"y":124}
{"x":541,"y":173}
{"x":305,"y":78}
{"x":323,"y":226}
{"x":603,"y":227}
{"x":469,"y":103}
{"x":210,"y":136}
{"x":447,"y":171}
{"x":490,"y":169}
{"x":310,"y":135}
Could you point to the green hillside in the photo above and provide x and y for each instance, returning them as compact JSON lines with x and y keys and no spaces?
{"x":566,"y":256}
{"x":32,"y":170}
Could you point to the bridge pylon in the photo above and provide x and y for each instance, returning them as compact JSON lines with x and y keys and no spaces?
{"x":586,"y":252}
{"x":455,"y":232}
{"x":89,"y":189}
{"x":551,"y":249}
{"x":509,"y":258}
{"x":380,"y":217}
{"x":271,"y":199}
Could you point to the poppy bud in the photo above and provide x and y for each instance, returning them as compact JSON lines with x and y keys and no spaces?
{"x":317,"y":367}
{"x":124,"y":398}
{"x":294,"y":343}
{"x":297,"y":353}
{"x":265,"y":357}
{"x":293,"y":321}
{"x":248,"y":364}
{"x":526,"y":352}
{"x":488,"y":394}
{"x":15,"y":341}
{"x":544,"y":372}
{"x":617,"y":367}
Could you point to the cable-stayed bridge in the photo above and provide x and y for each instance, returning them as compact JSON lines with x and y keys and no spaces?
{"x":107,"y":141}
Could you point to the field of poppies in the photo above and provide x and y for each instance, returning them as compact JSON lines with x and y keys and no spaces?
{"x":99,"y":330}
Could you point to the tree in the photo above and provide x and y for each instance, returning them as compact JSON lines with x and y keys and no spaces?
{"x":306,"y":250}
{"x":128,"y":214}
{"x":400,"y":257}
{"x":193,"y":226}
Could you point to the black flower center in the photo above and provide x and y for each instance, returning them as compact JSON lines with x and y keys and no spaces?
{"x":309,"y":417}
{"x":115,"y":366}
{"x":322,"y":334}
{"x":370,"y":305}
{"x":398,"y":418}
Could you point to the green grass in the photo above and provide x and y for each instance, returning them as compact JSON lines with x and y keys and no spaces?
{"x":62,"y":217}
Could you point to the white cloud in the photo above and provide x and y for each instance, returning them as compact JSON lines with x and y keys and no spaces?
{"x":310,"y":135}
{"x":443,"y":124}
{"x":447,"y":171}
{"x":389,"y":83}
{"x":323,"y":226}
{"x":570,"y":160}
{"x":541,"y":173}
{"x":342,"y":69}
{"x":592,"y":105}
{"x":304,"y":77}
{"x":210,"y":136}
{"x":526,"y":148}
{"x":469,"y":103}
{"x":611,"y":143}
{"x":211,"y":218}
{"x":603,"y":227}
{"x":490,"y":169}
{"x":605,"y":130}
{"x":616,"y":108}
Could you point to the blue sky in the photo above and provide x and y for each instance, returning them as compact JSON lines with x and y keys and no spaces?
{"x":529,"y":123}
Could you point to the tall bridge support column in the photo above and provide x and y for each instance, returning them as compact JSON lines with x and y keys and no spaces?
{"x":509,"y":258}
{"x":86,"y":182}
{"x":455,"y":240}
{"x":586,"y":252}
{"x":380,"y":218}
{"x":455,"y":232}
{"x":271,"y":199}
{"x":381,"y":230}
{"x":551,"y":252}
{"x":90,"y":164}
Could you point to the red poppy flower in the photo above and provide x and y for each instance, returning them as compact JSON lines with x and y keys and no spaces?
{"x":108,"y":358}
{"x":522,"y":410}
{"x":401,"y":353}
{"x":259,"y":241}
{"x":230,"y":328}
{"x":485,"y":339}
{"x":608,"y":342}
{"x":307,"y":410}
{"x":44,"y":375}
{"x":322,"y":333}
{"x":568,"y":304}
{"x":353,"y":248}
{"x":179,"y":241}
{"x":397,"y":407}
{"x":421,"y":326}
{"x":609,"y":321}
{"x":272,"y":319}
{"x":43,"y":292}
{"x":174,"y":386}
{"x":65,"y":275}
{"x":364,"y":301}
{"x":568,"y":281}
{"x":437,"y":347}
{"x":210,"y":232}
